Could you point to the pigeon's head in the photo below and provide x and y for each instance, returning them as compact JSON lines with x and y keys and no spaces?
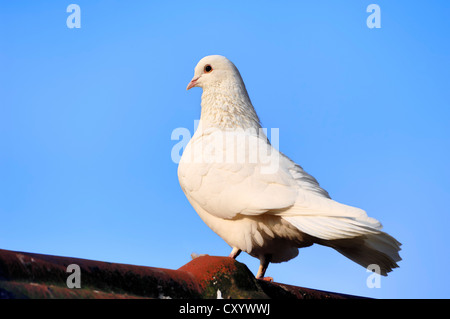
{"x":212,"y":71}
{"x":225,"y":101}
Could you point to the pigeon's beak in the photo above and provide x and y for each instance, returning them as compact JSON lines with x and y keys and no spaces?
{"x":192,"y":83}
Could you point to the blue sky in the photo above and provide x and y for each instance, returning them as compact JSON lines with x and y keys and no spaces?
{"x":86,"y":117}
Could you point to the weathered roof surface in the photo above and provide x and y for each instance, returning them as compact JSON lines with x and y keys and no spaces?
{"x":37,"y":276}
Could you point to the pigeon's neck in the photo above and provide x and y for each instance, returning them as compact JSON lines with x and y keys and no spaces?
{"x":228,"y":107}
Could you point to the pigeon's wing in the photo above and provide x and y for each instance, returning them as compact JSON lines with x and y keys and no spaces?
{"x":304,"y":180}
{"x":230,"y":173}
{"x":238,"y":173}
{"x":268,"y":183}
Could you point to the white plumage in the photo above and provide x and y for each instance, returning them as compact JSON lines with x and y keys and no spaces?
{"x":257,"y":199}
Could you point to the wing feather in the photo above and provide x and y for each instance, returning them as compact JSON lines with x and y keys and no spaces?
{"x":273,"y":184}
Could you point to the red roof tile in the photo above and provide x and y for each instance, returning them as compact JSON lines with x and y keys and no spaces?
{"x":29,"y":275}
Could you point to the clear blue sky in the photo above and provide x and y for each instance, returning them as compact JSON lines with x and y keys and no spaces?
{"x":86,"y":117}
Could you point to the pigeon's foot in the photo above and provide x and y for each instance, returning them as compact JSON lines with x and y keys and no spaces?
{"x":269,"y":279}
{"x":264,"y":262}
{"x":235,"y":252}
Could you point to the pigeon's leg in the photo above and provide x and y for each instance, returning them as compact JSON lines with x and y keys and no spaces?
{"x":235,"y":252}
{"x":264,"y":263}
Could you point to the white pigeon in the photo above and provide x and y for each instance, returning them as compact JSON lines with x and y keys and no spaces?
{"x":256,"y":198}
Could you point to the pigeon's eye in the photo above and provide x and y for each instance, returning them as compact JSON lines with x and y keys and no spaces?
{"x":208,"y":68}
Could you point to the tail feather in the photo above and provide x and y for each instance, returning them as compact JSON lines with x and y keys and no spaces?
{"x":380,"y":249}
{"x":359,"y":239}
